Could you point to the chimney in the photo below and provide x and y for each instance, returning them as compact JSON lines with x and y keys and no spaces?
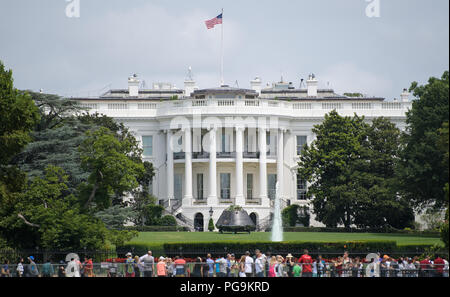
{"x":189,"y":84}
{"x":256,"y":85}
{"x":133,"y":86}
{"x":311,"y":85}
{"x":405,"y":96}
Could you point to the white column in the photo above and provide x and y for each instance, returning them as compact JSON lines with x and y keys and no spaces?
{"x":212,"y":197}
{"x":169,"y":171}
{"x":240,"y":199}
{"x":263,"y":167}
{"x":187,"y":201}
{"x":280,"y":162}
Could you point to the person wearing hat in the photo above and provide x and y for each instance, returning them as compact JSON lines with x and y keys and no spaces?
{"x":161,"y":267}
{"x":290,"y":265}
{"x":32,"y":268}
{"x":129,"y":266}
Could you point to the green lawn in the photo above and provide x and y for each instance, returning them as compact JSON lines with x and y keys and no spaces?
{"x":157,"y":238}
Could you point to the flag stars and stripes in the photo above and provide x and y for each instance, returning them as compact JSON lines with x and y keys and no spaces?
{"x":213,"y":22}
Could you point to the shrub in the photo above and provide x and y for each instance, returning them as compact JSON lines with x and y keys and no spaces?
{"x":167,"y":221}
{"x":156,"y":228}
{"x":211,"y":225}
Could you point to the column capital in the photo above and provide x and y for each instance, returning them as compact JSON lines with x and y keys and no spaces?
{"x":239,"y":128}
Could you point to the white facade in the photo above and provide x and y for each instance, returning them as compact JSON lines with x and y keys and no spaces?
{"x":205,"y":145}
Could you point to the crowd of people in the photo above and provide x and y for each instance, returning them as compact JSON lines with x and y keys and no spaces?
{"x":258,"y":265}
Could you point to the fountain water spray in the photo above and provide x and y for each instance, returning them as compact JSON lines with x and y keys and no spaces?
{"x":277,"y":227}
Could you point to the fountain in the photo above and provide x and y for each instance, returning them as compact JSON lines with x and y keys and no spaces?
{"x":277,"y":224}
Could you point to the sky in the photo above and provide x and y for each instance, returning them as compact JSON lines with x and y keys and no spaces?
{"x":408,"y":40}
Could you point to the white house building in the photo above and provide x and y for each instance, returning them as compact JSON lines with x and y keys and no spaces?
{"x":212,"y":148}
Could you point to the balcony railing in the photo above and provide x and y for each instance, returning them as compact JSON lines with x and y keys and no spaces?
{"x":179,"y":156}
{"x":253,"y":201}
{"x":226,"y":155}
{"x":251,"y":155}
{"x":200,"y":155}
{"x":294,"y":108}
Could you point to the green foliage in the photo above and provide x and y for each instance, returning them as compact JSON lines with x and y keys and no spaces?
{"x":422,"y":170}
{"x":328,"y":164}
{"x":167,"y":221}
{"x":156,"y":228}
{"x":153,"y":215}
{"x":18,"y":116}
{"x":211,"y":227}
{"x":351,"y":168}
{"x":42,"y":215}
{"x":295,"y":214}
{"x":114,"y":165}
{"x":116,"y":216}
{"x":118,"y":238}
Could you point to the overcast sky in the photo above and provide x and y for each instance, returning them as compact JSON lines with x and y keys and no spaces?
{"x":160,"y":39}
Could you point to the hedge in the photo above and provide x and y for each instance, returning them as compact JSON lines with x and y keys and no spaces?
{"x":344,"y":230}
{"x":156,"y":229}
{"x":195,"y":249}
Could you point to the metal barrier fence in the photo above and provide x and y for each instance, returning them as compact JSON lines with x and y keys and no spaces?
{"x":221,"y":269}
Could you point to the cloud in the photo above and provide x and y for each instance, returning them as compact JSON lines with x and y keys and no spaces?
{"x":347,"y":77}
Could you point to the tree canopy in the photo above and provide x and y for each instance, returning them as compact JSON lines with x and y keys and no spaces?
{"x":423,"y":170}
{"x":351,"y":168}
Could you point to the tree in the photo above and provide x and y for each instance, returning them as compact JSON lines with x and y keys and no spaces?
{"x":295,"y":214}
{"x":328,"y":165}
{"x":43,"y":216}
{"x":351,"y":166}
{"x":377,"y":201}
{"x":114,"y":165}
{"x":116,"y":216}
{"x":18,"y":115}
{"x":421,"y":170}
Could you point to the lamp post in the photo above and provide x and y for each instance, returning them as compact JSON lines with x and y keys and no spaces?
{"x":211,"y":212}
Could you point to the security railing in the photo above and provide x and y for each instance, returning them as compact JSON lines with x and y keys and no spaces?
{"x":221,"y":268}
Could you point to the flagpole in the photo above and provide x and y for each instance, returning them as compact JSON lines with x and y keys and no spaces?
{"x":222,"y":82}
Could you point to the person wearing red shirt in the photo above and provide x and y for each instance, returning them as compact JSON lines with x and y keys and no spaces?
{"x":425,"y":266}
{"x":306,"y":262}
{"x":439,"y":266}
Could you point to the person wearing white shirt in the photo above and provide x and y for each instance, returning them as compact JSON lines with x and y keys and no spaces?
{"x":248,"y":265}
{"x":259,"y":263}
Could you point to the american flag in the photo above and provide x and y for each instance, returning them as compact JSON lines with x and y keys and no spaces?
{"x":215,"y":21}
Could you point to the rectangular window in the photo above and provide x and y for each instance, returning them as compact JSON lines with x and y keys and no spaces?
{"x":225,"y":179}
{"x":200,"y":186}
{"x":249,"y":186}
{"x":301,"y":141}
{"x":178,"y":187}
{"x":271,"y":185}
{"x":301,"y":188}
{"x":147,"y":145}
{"x":271,"y":144}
